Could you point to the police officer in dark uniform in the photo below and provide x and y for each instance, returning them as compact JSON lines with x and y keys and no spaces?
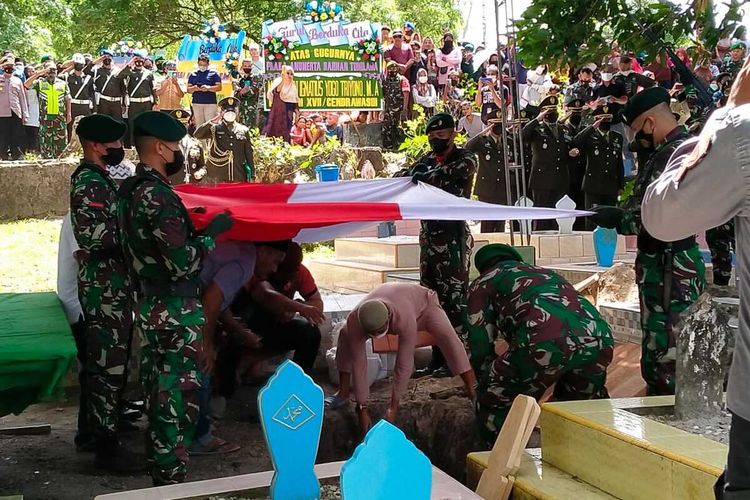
{"x":140,"y":90}
{"x":109,"y":88}
{"x":490,"y":185}
{"x":229,"y":155}
{"x":192,"y":150}
{"x":576,"y":166}
{"x":605,"y":176}
{"x":551,"y":147}
{"x":81,"y":86}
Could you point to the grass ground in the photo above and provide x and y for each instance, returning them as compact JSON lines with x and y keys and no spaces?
{"x":28,"y":255}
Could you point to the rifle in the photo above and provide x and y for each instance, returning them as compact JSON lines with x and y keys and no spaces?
{"x":687,"y":77}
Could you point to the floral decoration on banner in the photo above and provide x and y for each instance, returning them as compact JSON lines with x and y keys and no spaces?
{"x":276,"y":48}
{"x":322,"y":11}
{"x":125,"y":47}
{"x":213,"y":30}
{"x":232,"y":63}
{"x":368,"y":49}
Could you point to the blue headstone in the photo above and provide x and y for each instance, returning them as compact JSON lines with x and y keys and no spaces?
{"x":386,"y":466}
{"x":605,"y":245}
{"x":291,"y":415}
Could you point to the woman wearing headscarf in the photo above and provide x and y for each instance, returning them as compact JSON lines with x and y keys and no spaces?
{"x":284,"y":105}
{"x":449,"y":56}
{"x":424,"y":93}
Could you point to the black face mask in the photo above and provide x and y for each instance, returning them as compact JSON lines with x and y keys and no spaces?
{"x":551,"y":118}
{"x":107,"y":62}
{"x":174,"y":166}
{"x":247,"y":71}
{"x":644,"y":141}
{"x":8,"y":69}
{"x":78,"y":66}
{"x":575,"y":119}
{"x":497,"y":130}
{"x":447,"y":47}
{"x":138,"y":65}
{"x":605,"y":126}
{"x":439,"y":146}
{"x":114,"y":156}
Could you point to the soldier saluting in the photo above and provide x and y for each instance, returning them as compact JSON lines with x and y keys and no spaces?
{"x":604,"y":176}
{"x":109,"y":87}
{"x":229,"y":157}
{"x":140,"y":90}
{"x":550,"y":149}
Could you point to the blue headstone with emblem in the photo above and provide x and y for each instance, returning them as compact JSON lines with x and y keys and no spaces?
{"x":605,"y":245}
{"x":291,"y":415}
{"x":386,"y":466}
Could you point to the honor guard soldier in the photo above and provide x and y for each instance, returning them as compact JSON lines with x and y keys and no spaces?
{"x":229,"y":156}
{"x":109,"y":88}
{"x":577,"y":165}
{"x":104,"y":285}
{"x":490,"y":185}
{"x":165,"y":255}
{"x":670,"y":275}
{"x":81,"y":87}
{"x":140,"y":90}
{"x":445,"y":246}
{"x":551,"y":148}
{"x":192,"y":150}
{"x":602,"y":147}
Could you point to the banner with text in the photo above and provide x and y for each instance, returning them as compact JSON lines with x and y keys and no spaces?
{"x":337,"y":93}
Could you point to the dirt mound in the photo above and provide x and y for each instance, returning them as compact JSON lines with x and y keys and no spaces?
{"x":617,"y":284}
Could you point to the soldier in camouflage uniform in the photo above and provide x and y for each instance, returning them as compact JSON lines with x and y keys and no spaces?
{"x":670,"y":276}
{"x":164,"y":253}
{"x":104,"y":287}
{"x":445,"y":246}
{"x":733,"y":62}
{"x":393,"y":106}
{"x":554,"y":336}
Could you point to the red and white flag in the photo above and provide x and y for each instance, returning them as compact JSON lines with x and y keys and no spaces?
{"x":322,"y":211}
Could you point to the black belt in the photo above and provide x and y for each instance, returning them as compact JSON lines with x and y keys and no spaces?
{"x":189,"y":289}
{"x":649,"y":244}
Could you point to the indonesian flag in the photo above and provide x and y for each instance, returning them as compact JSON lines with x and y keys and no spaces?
{"x":323,"y":211}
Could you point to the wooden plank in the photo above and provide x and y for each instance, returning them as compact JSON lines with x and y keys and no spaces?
{"x":26,"y":430}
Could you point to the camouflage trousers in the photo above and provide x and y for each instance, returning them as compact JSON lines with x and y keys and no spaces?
{"x":171,"y":374}
{"x":53,"y":136}
{"x":721,"y":241}
{"x":444,"y":260}
{"x":249,"y":113}
{"x":659,"y":314}
{"x":576,"y":365}
{"x":109,"y":330}
{"x":391,"y":128}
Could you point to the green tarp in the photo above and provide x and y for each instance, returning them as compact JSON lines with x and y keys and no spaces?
{"x":36,"y":349}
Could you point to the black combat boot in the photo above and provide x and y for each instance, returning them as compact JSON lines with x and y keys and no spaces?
{"x":113,"y":457}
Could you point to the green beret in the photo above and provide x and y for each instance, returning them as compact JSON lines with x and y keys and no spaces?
{"x":489,"y":253}
{"x":738,"y":45}
{"x":158,"y":124}
{"x":229,"y":102}
{"x":100,"y":128}
{"x":440,"y":121}
{"x":643,"y":101}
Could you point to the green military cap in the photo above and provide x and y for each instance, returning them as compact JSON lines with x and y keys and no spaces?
{"x":549,"y":102}
{"x":45,"y":58}
{"x":493,"y":252}
{"x":440,"y":121}
{"x":738,"y":44}
{"x":159,"y":125}
{"x":100,"y":128}
{"x":603,"y":110}
{"x":229,"y":102}
{"x":183,"y":115}
{"x":643,"y":101}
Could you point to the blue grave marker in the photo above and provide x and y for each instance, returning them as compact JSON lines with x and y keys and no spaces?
{"x":605,"y":245}
{"x":386,"y":466}
{"x":291,"y":415}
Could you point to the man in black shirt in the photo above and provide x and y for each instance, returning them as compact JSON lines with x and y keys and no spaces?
{"x":583,"y":89}
{"x":612,"y":93}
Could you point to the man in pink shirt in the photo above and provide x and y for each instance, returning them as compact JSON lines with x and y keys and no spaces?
{"x":400,"y":309}
{"x":13,"y":112}
{"x":399,"y":53}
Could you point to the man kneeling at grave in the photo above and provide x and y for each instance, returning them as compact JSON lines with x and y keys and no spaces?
{"x":400,"y":309}
{"x":551,"y":334}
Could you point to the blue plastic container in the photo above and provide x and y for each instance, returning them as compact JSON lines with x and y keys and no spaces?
{"x":327,"y":173}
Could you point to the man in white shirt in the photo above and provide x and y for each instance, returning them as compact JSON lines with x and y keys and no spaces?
{"x":470,"y":123}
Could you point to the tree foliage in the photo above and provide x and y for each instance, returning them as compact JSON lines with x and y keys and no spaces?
{"x":61,"y":27}
{"x":574,"y":32}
